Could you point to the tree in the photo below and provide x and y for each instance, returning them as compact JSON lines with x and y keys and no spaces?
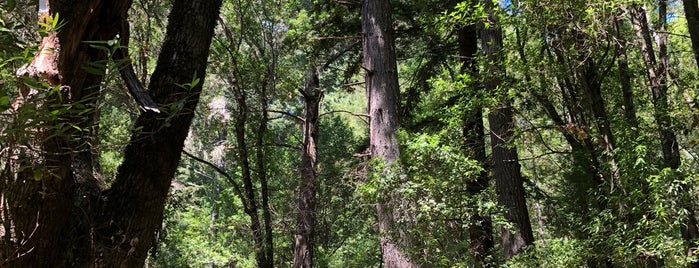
{"x":382,"y":95}
{"x":63,"y":215}
{"x":509,"y":185}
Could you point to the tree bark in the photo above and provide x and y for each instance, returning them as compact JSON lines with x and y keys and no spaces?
{"x":133,"y":210}
{"x":657,"y":75}
{"x":691,"y":12}
{"x":248,"y":186}
{"x":625,"y":76}
{"x":481,"y":227}
{"x":509,"y":185}
{"x":382,"y":94}
{"x":306,"y":219}
{"x":64,"y":218}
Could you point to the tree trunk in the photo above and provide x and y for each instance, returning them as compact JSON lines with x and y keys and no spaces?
{"x":656,"y":72}
{"x":506,"y":169}
{"x":657,"y":75}
{"x":691,"y":12}
{"x":481,"y":227}
{"x":306,"y":219}
{"x":262,"y":176}
{"x":625,"y":76}
{"x":382,"y":94}
{"x":248,"y":186}
{"x":133,"y":210}
{"x":59,"y":215}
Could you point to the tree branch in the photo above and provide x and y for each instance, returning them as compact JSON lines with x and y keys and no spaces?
{"x":225,"y":174}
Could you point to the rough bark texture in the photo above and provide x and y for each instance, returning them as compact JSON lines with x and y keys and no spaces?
{"x":47,"y":202}
{"x":382,"y":94}
{"x":506,"y":169}
{"x":65,"y":219}
{"x":306,"y":219}
{"x":132,"y":213}
{"x":481,"y":227}
{"x":691,"y":12}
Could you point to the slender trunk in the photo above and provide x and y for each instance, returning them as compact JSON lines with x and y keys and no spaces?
{"x":248,"y":184}
{"x":262,"y":176}
{"x":305,"y":223}
{"x":691,"y":12}
{"x":592,"y":84}
{"x":657,"y":75}
{"x":382,"y":94}
{"x":656,"y":72}
{"x":509,"y":185}
{"x":481,"y":227}
{"x":625,"y":76}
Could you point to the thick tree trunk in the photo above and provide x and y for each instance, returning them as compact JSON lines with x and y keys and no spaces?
{"x":506,"y":169}
{"x":481,"y":227}
{"x":133,"y":210}
{"x":382,"y":94}
{"x":691,"y":12}
{"x":65,"y":219}
{"x":306,"y":219}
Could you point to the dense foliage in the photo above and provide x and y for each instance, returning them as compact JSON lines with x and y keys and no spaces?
{"x":591,"y":130}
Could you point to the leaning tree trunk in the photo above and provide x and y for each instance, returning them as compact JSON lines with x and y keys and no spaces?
{"x":509,"y":185}
{"x":133,"y":208}
{"x":382,"y":94}
{"x":59,"y":214}
{"x":306,"y":219}
{"x":657,"y":75}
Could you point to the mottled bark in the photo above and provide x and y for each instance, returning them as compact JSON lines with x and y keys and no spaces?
{"x":506,"y":168}
{"x":382,"y":95}
{"x":306,"y":219}
{"x":48,"y":194}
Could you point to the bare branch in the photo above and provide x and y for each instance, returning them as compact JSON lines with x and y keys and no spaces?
{"x":225,"y":174}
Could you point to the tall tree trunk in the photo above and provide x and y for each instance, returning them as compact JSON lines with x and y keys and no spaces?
{"x":305,"y":223}
{"x":382,"y":94}
{"x":481,"y":227}
{"x":691,"y":12}
{"x":657,"y":75}
{"x":262,"y":176}
{"x":625,"y":75}
{"x":506,"y":169}
{"x":248,"y":185}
